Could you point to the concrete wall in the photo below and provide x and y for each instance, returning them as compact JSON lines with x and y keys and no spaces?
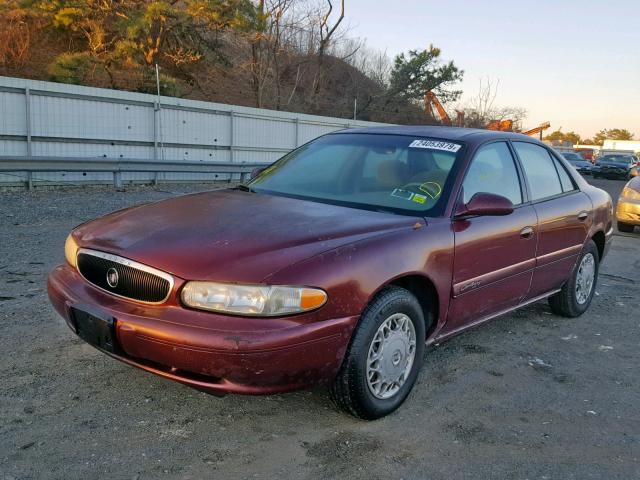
{"x":43,"y":119}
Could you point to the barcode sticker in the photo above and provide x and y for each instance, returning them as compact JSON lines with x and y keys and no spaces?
{"x":436,"y":145}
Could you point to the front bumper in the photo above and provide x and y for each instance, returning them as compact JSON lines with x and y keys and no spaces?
{"x":628,"y":211}
{"x":208,"y":351}
{"x":610,"y":173}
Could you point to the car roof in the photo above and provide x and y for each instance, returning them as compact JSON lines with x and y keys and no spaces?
{"x":469,"y":135}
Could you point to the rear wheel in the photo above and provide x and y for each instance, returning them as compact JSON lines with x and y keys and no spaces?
{"x":625,"y":227}
{"x":576,"y":295}
{"x":385,"y":355}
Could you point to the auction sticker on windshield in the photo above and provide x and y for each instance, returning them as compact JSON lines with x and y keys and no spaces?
{"x":435,"y":145}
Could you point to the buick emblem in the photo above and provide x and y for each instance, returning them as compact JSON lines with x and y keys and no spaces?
{"x":112,"y":277}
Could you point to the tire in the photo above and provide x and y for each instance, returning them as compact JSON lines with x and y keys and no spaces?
{"x":571,"y":301}
{"x":351,"y":390}
{"x":625,"y":227}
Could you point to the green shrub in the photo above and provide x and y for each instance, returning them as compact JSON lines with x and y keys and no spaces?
{"x":71,"y":68}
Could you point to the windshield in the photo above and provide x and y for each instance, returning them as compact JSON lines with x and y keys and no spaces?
{"x":617,"y":159}
{"x":573,"y":157}
{"x":401,"y":174}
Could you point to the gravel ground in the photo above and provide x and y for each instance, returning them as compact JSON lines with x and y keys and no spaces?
{"x":527,"y":396}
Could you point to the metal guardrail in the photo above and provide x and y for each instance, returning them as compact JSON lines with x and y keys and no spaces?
{"x":118,"y":166}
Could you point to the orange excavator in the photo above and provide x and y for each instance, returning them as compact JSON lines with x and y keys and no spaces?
{"x":507,"y":126}
{"x":432,"y":106}
{"x":500,"y":125}
{"x":538,"y":130}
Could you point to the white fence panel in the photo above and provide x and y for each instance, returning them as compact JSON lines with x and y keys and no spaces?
{"x":17,"y":148}
{"x":265,"y":132}
{"x":59,"y":122}
{"x":197,"y":128}
{"x":79,"y":118}
{"x":13,"y":113}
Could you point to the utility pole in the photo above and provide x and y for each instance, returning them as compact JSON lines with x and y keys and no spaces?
{"x":159,"y":111}
{"x":355,"y":108}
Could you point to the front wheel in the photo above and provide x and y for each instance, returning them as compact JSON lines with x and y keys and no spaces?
{"x":576,"y":295}
{"x":384,"y":357}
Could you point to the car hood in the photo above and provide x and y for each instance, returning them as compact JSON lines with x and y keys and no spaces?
{"x":231,"y":235}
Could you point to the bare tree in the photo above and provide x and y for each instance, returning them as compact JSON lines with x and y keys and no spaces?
{"x":15,"y":38}
{"x":326,"y":29}
{"x":284,"y":22}
{"x":483,"y":102}
{"x":482,"y":110}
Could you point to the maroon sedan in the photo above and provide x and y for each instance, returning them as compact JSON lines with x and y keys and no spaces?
{"x":338,"y":263}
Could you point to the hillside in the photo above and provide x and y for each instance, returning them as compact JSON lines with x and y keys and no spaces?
{"x":226,"y":63}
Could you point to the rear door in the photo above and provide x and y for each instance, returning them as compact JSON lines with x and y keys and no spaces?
{"x":564,"y":216}
{"x":494,"y":255}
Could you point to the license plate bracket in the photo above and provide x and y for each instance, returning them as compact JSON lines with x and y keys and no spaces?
{"x":95,"y":328}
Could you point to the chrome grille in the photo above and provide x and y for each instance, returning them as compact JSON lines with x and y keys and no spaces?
{"x":124,"y":277}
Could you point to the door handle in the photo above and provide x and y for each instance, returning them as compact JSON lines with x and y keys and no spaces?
{"x":526,"y":232}
{"x":582,"y":216}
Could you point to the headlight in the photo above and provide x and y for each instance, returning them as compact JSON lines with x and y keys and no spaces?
{"x":253,"y":300}
{"x":71,"y":251}
{"x":630,"y":193}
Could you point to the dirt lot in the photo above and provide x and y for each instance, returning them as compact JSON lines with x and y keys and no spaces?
{"x":528,"y":396}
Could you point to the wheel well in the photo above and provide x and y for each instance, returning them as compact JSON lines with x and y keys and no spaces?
{"x":599,"y":240}
{"x":426,"y":293}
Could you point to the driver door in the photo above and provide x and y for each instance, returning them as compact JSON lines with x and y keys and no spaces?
{"x":494,"y":255}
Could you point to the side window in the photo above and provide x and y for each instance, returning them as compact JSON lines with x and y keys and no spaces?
{"x":565,"y":179}
{"x":493,"y":170}
{"x":539,"y":169}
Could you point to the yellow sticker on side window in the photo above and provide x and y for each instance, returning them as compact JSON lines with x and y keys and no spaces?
{"x":419,"y":198}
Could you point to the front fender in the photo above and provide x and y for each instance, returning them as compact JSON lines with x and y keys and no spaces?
{"x":353,"y":274}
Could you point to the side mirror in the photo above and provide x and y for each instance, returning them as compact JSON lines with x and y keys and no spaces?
{"x":255,"y":172}
{"x":485,"y":204}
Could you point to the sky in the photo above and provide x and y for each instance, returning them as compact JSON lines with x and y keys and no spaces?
{"x":573,"y":63}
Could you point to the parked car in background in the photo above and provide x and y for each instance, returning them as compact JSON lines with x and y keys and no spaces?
{"x":578,"y":162}
{"x":614,"y":166}
{"x":588,"y":154}
{"x":337,"y":264}
{"x":628,"y":209}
